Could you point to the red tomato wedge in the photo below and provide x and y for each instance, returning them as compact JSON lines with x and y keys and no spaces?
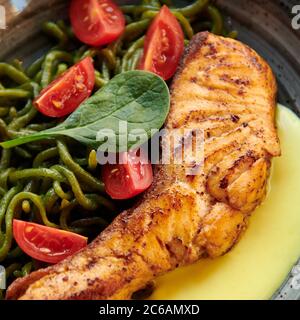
{"x":125,"y":181}
{"x":46,"y":244}
{"x":164,"y":45}
{"x":96,"y":22}
{"x":68,"y":91}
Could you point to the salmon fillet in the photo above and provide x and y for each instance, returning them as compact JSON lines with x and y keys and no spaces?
{"x":227,"y":91}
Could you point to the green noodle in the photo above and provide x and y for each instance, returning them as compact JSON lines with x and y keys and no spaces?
{"x":131,"y":51}
{"x":14,"y":74}
{"x":136,"y":29}
{"x":60,"y":192}
{"x":53,"y":30}
{"x":194,"y":9}
{"x":82,"y":174}
{"x":43,"y":156}
{"x":50,"y":59}
{"x":216,"y":18}
{"x":23,"y":153}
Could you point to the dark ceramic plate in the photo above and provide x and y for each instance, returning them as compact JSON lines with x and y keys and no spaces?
{"x":265,"y":25}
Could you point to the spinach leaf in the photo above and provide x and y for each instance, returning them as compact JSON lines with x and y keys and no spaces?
{"x":140,"y":98}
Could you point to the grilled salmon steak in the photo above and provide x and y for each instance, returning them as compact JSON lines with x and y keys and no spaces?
{"x":227,"y":91}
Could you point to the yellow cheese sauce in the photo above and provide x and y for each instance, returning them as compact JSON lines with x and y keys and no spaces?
{"x":260,"y":262}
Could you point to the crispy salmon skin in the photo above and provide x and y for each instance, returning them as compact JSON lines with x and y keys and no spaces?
{"x":228,"y":91}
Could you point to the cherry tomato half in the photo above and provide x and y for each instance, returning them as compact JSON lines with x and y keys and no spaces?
{"x":164,"y":45}
{"x":96,"y":22}
{"x":46,"y":244}
{"x":125,"y":181}
{"x":68,"y":91}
